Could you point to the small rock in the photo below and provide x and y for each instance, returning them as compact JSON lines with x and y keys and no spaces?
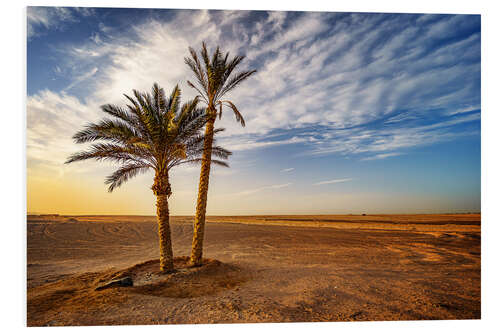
{"x":123,"y":282}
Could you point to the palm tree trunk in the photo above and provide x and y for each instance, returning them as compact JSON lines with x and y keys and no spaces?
{"x":161,"y":188}
{"x":201,"y":203}
{"x":166,"y":253}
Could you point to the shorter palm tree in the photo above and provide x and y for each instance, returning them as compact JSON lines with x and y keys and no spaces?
{"x":151,"y":133}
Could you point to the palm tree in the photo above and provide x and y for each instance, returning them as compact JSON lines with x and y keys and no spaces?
{"x":215,"y":79}
{"x":153,"y":132}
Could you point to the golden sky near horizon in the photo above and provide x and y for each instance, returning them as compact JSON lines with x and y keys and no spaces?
{"x":82,"y":196}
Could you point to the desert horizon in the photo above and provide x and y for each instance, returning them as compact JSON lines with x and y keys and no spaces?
{"x":269,"y":214}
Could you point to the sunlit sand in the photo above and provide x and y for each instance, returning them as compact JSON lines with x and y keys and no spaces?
{"x":259,"y":269}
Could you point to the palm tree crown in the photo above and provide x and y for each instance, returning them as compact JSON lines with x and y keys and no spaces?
{"x":152,"y":132}
{"x":215,"y":79}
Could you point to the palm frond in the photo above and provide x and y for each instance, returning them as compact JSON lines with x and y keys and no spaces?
{"x":124,"y":173}
{"x":201,"y":94}
{"x":221,"y":152}
{"x":232,"y":65}
{"x":234,"y":82}
{"x":174,"y":100}
{"x":204,"y":56}
{"x":111,"y":130}
{"x":119,"y":113}
{"x":198,"y":160}
{"x":159,"y":97}
{"x":237,"y":114}
{"x":187,"y":109}
{"x":107,"y":151}
{"x":139,"y":105}
{"x":195,"y":66}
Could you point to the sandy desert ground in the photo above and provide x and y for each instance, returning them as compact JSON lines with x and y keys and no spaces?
{"x":260,"y":269}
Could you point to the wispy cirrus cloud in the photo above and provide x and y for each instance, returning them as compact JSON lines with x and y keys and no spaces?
{"x":45,"y":18}
{"x":380,"y":156}
{"x":333,"y":181}
{"x":81,"y":78}
{"x":52,"y":119}
{"x":263,"y":188}
{"x":390,"y":140}
{"x":287,"y":170}
{"x":243,"y":144}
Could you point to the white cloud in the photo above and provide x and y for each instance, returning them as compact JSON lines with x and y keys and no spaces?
{"x":401,"y":117}
{"x":51,"y":17}
{"x":270,"y":187}
{"x":96,"y":38}
{"x":236,"y":143}
{"x":287,"y":170}
{"x":52,"y":119}
{"x":104,"y":28}
{"x":380,"y":156}
{"x":464,"y":109}
{"x":333,"y":181}
{"x":81,"y":78}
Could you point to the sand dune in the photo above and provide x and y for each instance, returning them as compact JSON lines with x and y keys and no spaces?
{"x":267,"y":269}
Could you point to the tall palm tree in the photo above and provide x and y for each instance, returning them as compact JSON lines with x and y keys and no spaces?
{"x":215,"y":79}
{"x":152,"y":133}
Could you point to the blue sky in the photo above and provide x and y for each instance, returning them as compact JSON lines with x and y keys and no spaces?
{"x":348,"y":113}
